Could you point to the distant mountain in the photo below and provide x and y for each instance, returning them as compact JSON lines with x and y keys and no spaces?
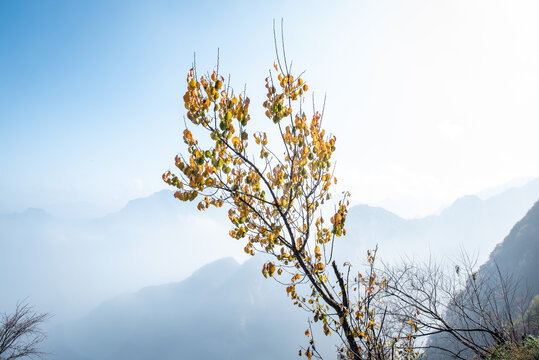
{"x":470,"y":224}
{"x":76,"y":210}
{"x":152,"y":240}
{"x":161,"y":203}
{"x":223,"y":311}
{"x":158,"y":239}
{"x":495,"y":190}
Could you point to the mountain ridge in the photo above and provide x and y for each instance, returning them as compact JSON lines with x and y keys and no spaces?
{"x":159,"y":239}
{"x":167,"y":196}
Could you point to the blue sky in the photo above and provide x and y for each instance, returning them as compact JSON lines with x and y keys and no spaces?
{"x":429,"y":100}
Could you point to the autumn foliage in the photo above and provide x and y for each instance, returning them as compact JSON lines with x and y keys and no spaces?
{"x":274,"y":194}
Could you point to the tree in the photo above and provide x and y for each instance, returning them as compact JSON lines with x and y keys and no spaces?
{"x":275,"y":203}
{"x":20,"y":333}
{"x":528,"y":350}
{"x":530,"y":321}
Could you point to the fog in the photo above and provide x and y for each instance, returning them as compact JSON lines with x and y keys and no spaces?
{"x":76,"y":269}
{"x":67,"y":266}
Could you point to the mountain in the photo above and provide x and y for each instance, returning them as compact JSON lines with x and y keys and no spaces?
{"x":515,"y":258}
{"x":68,"y":266}
{"x":470,"y":224}
{"x":229,"y":311}
{"x":223,"y":311}
{"x":495,"y":190}
{"x":518,"y":254}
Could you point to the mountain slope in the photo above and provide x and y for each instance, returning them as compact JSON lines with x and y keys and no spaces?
{"x":518,"y":254}
{"x":223,"y":311}
{"x":152,"y":240}
{"x":515,"y":258}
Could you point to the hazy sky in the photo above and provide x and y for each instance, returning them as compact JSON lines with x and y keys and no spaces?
{"x":429,"y":100}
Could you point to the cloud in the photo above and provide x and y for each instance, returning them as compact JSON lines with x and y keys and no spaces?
{"x":450,"y":128}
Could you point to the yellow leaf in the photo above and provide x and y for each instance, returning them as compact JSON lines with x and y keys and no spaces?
{"x":271,"y":269}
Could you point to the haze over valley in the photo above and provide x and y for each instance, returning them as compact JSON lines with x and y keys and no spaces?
{"x":87,"y":272}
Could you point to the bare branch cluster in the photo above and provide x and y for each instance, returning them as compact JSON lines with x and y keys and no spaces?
{"x":20,"y":333}
{"x":465,"y":312}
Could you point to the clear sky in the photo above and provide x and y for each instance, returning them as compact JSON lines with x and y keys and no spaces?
{"x":429,"y":100}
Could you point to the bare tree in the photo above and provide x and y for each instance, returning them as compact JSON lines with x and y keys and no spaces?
{"x":20,"y":333}
{"x":465,"y":312}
